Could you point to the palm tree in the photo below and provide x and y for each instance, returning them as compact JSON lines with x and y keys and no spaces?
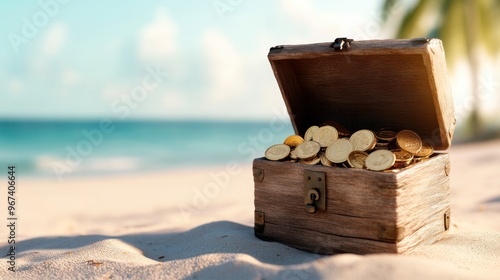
{"x":466,"y":28}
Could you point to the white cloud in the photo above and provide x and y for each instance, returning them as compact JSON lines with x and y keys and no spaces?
{"x":157,"y":40}
{"x":15,"y":86}
{"x":69,"y":77}
{"x":174,"y":104}
{"x":224,"y":66}
{"x":323,"y":25}
{"x":54,"y":38}
{"x":112,"y":92}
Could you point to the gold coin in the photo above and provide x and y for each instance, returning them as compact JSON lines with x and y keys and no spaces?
{"x":325,"y":135}
{"x":341,"y":165}
{"x":325,"y":161}
{"x":308,"y":149}
{"x":419,"y":159}
{"x":402,"y":156}
{"x":310,"y":132}
{"x":339,"y":150}
{"x":357,"y":159}
{"x":393,"y":170}
{"x":393,"y":145}
{"x":293,"y":141}
{"x":381,"y":146}
{"x":312,"y":161}
{"x":409,"y":141}
{"x":380,"y":160}
{"x":386,"y":135}
{"x":277,"y":152}
{"x":363,"y":140}
{"x":426,"y":151}
{"x":342,"y":130}
{"x":400,"y":165}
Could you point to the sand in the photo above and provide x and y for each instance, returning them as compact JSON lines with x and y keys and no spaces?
{"x":198,"y":224}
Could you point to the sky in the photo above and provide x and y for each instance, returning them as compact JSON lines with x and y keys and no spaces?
{"x":206,"y":59}
{"x":63,"y":59}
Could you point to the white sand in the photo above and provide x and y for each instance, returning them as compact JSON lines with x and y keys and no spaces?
{"x":163,"y":226}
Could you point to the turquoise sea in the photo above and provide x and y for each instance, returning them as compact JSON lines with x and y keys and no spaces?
{"x":82,"y":148}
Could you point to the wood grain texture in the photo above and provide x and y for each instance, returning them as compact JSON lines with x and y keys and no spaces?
{"x":366,"y":211}
{"x":401,"y":84}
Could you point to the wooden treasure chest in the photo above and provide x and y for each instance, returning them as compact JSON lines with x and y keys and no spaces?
{"x":359,"y":85}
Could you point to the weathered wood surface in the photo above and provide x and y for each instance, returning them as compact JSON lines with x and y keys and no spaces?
{"x":366,"y":211}
{"x":388,"y":83}
{"x":358,"y":47}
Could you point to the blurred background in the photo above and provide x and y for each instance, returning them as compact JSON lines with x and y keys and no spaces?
{"x":104,"y":87}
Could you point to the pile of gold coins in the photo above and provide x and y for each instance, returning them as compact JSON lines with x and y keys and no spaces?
{"x":329,"y":145}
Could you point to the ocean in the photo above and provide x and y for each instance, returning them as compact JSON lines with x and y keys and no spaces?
{"x":80,"y":148}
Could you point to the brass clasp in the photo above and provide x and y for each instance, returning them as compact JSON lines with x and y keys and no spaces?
{"x":314,"y":191}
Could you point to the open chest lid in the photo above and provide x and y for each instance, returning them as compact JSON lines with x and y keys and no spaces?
{"x":374,"y":84}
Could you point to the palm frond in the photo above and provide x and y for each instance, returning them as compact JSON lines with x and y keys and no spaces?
{"x":414,"y":22}
{"x":387,"y":7}
{"x":460,"y":23}
{"x":452,"y":31}
{"x":488,"y":25}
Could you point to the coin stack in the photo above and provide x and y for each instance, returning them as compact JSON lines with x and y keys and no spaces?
{"x":333,"y":145}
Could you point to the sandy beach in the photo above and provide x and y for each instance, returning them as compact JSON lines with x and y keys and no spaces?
{"x":198,"y":224}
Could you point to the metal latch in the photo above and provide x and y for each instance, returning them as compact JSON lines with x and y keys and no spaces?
{"x":341,"y":43}
{"x":314,"y":191}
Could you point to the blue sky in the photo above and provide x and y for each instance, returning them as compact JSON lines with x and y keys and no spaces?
{"x":84,"y":58}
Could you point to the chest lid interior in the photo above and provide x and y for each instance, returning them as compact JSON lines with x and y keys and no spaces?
{"x":374,"y":84}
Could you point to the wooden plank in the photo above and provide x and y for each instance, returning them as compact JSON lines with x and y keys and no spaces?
{"x":325,"y":243}
{"x":318,"y":50}
{"x":321,"y":243}
{"x":443,"y":101}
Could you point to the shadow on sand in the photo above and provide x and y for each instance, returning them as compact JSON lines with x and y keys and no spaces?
{"x":211,"y":238}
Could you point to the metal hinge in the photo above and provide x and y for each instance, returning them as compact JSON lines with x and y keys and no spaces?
{"x":447,"y":220}
{"x":447,"y":169}
{"x":341,"y":43}
{"x":259,"y":221}
{"x":258,"y":174}
{"x":424,"y":40}
{"x":277,"y":48}
{"x":390,"y":233}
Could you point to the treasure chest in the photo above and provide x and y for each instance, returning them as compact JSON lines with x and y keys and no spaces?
{"x":373,"y":84}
